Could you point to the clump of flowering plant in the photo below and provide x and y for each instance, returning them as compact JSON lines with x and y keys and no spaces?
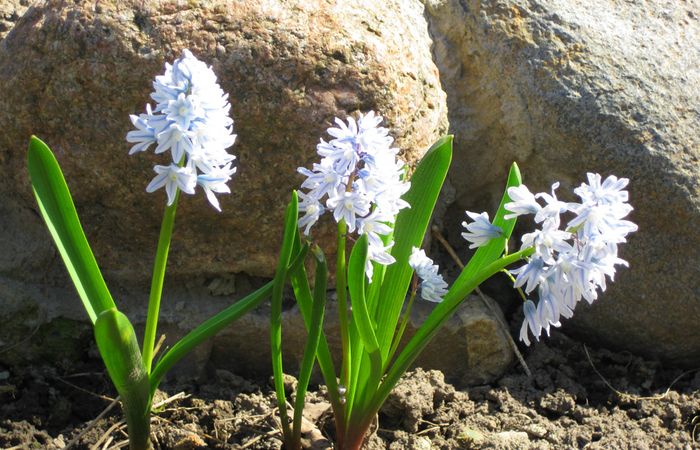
{"x":571,"y":263}
{"x":191,"y":121}
{"x":384,"y":218}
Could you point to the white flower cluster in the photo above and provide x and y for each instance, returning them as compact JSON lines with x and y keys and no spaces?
{"x":432,"y":287}
{"x":570,"y":264}
{"x":362,"y":183}
{"x":191,"y":119}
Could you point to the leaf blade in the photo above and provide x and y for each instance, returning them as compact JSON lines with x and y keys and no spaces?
{"x":411,"y":226}
{"x":57,"y":209}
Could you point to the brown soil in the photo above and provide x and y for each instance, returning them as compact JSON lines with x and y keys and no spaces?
{"x":610,"y":400}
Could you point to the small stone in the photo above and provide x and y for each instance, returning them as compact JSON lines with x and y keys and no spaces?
{"x":190,"y":442}
{"x":471,"y":437}
{"x":59,"y":441}
{"x":512,"y":439}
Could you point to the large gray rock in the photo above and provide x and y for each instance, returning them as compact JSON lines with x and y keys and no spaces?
{"x":606,"y":86}
{"x":73,"y":72}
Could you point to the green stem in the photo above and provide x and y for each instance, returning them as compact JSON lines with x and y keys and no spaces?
{"x":341,"y":287}
{"x":138,"y":422}
{"x":512,"y":279}
{"x":290,"y":232}
{"x":166,"y":231}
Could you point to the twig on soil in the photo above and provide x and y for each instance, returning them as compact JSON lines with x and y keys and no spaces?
{"x":199,"y":433}
{"x":107,"y":442}
{"x":75,"y":386}
{"x":504,"y":327}
{"x":256,"y":418}
{"x":92,"y":424}
{"x":630,"y":396}
{"x":258,"y":437}
{"x":22,"y":341}
{"x":428,"y":430}
{"x":433,"y":427}
{"x":171,"y":399}
{"x":106,"y":435}
{"x":84,"y":374}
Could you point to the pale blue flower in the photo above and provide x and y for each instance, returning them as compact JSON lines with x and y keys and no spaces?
{"x":313,"y":210}
{"x":144,"y":135}
{"x":433,"y":287}
{"x":532,"y":320}
{"x":531,"y":274}
{"x":548,"y":240}
{"x":347,"y":206}
{"x":215,"y":181}
{"x":522,"y":202}
{"x":553,"y":208}
{"x":481,"y":230}
{"x":173,"y":178}
{"x":608,"y":192}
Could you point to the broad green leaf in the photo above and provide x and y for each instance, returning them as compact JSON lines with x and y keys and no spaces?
{"x":290,"y":231}
{"x":362,"y":325}
{"x":411,"y":226}
{"x":117,"y":343}
{"x":314,"y":336}
{"x":58,"y":211}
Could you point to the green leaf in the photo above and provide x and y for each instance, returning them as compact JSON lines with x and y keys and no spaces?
{"x":290,"y":232}
{"x":362,"y":323}
{"x":58,"y":211}
{"x":302,"y":293}
{"x":117,"y":343}
{"x":315,"y":330}
{"x":356,"y":285}
{"x":411,"y":226}
{"x":482,"y":266}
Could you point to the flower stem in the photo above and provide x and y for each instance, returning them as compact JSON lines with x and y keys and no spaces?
{"x":166,"y":231}
{"x":341,"y":286}
{"x":512,"y":279}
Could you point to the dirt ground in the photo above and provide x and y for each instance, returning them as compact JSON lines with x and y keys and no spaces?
{"x":577,"y":397}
